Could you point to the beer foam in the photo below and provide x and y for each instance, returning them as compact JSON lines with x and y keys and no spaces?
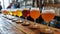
{"x":4,"y":9}
{"x":8,"y":9}
{"x":51,"y":11}
{"x":11,"y":10}
{"x":34,"y":8}
{"x":19,"y":9}
{"x":26,"y":8}
{"x":15,"y":9}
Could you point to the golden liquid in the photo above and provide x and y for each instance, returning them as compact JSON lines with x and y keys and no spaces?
{"x":9,"y":12}
{"x":19,"y":13}
{"x":48,"y":16}
{"x":14,"y":13}
{"x":35,"y":14}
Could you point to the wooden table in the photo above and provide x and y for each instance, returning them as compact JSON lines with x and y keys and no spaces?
{"x":27,"y":29}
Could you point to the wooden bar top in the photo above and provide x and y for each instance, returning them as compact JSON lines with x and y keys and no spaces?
{"x":32,"y":29}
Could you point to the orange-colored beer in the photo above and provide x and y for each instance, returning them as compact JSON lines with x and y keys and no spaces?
{"x":35,"y":14}
{"x":48,"y":16}
{"x":14,"y":13}
{"x":4,"y":12}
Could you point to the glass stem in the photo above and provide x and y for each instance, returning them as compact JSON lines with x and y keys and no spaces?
{"x":19,"y":18}
{"x":14,"y":16}
{"x":25,"y":19}
{"x":6,"y":15}
{"x":47,"y":25}
{"x":34,"y":21}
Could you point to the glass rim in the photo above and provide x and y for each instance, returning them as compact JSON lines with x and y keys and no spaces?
{"x":35,"y":9}
{"x":51,"y":10}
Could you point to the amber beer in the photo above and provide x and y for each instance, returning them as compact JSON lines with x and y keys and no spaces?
{"x":4,"y":12}
{"x":48,"y":16}
{"x":14,"y":13}
{"x":9,"y":12}
{"x":35,"y":14}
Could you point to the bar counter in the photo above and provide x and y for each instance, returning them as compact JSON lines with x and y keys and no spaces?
{"x":20,"y":29}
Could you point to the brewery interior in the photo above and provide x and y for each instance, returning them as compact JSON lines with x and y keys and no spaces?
{"x":29,"y":16}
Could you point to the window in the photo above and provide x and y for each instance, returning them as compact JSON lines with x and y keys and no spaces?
{"x":1,"y":2}
{"x":5,"y":3}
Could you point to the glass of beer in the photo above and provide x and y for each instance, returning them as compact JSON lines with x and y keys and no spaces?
{"x":4,"y":13}
{"x":35,"y":13}
{"x":19,"y":14}
{"x":14,"y":15}
{"x":9,"y":14}
{"x":26,"y":13}
{"x":47,"y":16}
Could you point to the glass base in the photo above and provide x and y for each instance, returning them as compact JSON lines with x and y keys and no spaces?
{"x":19,"y":21}
{"x":26,"y":23}
{"x":48,"y":30}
